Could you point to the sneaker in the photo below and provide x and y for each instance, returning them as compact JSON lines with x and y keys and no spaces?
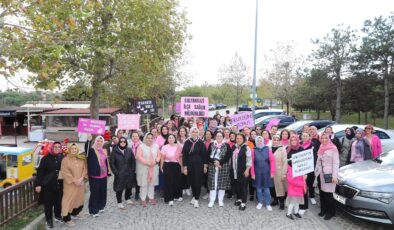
{"x":221,"y":204}
{"x":171,"y":203}
{"x":259,"y":206}
{"x":129,"y":202}
{"x":179,"y":199}
{"x":96,"y":215}
{"x":59,"y":220}
{"x":49,"y":224}
{"x":196,"y":204}
{"x":121,"y":206}
{"x":188,"y":192}
{"x":143,"y":203}
{"x":298,"y":215}
{"x":237,"y":203}
{"x":193,"y":201}
{"x":269,"y":208}
{"x":210,"y":204}
{"x":302,"y":212}
{"x":313,"y":201}
{"x":290,"y":216}
{"x":70,"y":223}
{"x":242,"y":207}
{"x":101,"y":211}
{"x":206,"y":196}
{"x":184,"y":192}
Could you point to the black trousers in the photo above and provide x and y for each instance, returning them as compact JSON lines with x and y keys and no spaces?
{"x":127,"y":195}
{"x":306,"y":202}
{"x":251,"y":187}
{"x":241,"y":189}
{"x":98,"y":194}
{"x":327,"y":203}
{"x":74,"y":212}
{"x":172,"y":181}
{"x":52,"y":199}
{"x":309,"y":182}
{"x":273,"y":193}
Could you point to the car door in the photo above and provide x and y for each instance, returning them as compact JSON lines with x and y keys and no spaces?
{"x":386,"y":140}
{"x":285,"y":121}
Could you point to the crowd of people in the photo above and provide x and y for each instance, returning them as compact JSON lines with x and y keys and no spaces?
{"x":182,"y":157}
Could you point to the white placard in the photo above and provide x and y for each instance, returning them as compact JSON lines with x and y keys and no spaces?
{"x":302,"y":163}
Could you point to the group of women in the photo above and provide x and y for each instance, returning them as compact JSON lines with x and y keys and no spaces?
{"x":178,"y":156}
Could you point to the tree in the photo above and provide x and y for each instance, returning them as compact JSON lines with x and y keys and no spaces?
{"x":334,"y":54}
{"x":378,"y":47}
{"x":236,"y":75}
{"x":98,"y":42}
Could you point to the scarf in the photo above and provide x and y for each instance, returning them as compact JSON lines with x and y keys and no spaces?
{"x":124,"y":139}
{"x":79,"y":156}
{"x":294,"y":147}
{"x":284,"y":142}
{"x":352,"y":134}
{"x":306,"y":144}
{"x":52,"y":152}
{"x":324,"y":147}
{"x":359,"y":147}
{"x":274,"y":148}
{"x":194,"y":141}
{"x":262,"y":144}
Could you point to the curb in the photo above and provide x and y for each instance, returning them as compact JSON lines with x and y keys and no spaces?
{"x":34,"y":223}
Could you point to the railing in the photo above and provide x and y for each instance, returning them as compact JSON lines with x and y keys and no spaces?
{"x":17,"y":199}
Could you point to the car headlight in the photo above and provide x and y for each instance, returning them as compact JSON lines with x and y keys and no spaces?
{"x":385,"y":197}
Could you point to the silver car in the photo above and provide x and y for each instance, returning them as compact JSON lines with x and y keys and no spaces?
{"x":366,"y":189}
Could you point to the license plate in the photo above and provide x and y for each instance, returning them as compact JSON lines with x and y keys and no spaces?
{"x":340,"y":199}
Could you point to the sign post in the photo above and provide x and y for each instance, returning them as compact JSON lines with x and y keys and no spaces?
{"x":302,"y":162}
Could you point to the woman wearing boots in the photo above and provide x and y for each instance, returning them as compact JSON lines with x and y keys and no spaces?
{"x":218,"y":169}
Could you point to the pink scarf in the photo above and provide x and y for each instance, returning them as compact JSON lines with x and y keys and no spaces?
{"x":284,"y":142}
{"x":324,"y":147}
{"x":151,"y":170}
{"x":307,"y":144}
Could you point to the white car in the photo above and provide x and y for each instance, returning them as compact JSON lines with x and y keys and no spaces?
{"x":386,"y":136}
{"x":265,"y":112}
{"x":211,"y":107}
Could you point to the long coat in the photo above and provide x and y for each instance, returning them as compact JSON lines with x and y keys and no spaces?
{"x":263,"y":167}
{"x":281,"y":170}
{"x":72,"y":170}
{"x":123,"y":167}
{"x":223,"y":155}
{"x":144,"y":155}
{"x":194,"y":158}
{"x":328,"y":162}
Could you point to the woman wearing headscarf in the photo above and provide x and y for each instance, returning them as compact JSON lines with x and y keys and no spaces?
{"x":98,"y":171}
{"x":346,"y":145}
{"x":148,"y":159}
{"x":181,"y":139}
{"x":373,"y":140}
{"x":360,"y":149}
{"x":241,"y":162}
{"x":195,"y":159}
{"x":262,"y":170}
{"x":296,"y":185}
{"x":74,"y":173}
{"x":49,"y":184}
{"x":122,"y":163}
{"x":218,"y":169}
{"x":326,"y":171}
{"x":170,"y":165}
{"x":280,"y":181}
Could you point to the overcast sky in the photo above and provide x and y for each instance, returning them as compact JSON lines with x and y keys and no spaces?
{"x":220,"y":28}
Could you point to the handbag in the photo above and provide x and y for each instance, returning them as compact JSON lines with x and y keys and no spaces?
{"x":327,"y":176}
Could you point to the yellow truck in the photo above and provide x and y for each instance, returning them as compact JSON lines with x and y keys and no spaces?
{"x":16,"y":165}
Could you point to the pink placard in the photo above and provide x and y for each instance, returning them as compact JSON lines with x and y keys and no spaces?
{"x":178,"y":107}
{"x":194,"y":107}
{"x":129,"y":121}
{"x":272,"y":122}
{"x":242,"y":120}
{"x":92,"y":126}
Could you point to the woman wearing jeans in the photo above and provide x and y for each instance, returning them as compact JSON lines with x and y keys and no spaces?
{"x":263,"y":169}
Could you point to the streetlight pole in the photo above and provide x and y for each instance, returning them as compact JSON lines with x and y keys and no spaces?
{"x":255,"y":59}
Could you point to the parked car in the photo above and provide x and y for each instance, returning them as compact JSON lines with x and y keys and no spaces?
{"x":220,"y":106}
{"x":299,"y":125}
{"x":366,"y":189}
{"x":265,"y":112}
{"x":211,"y":107}
{"x":247,"y":108}
{"x":385,"y":136}
{"x":284,"y":120}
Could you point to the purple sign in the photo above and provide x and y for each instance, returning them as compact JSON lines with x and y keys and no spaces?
{"x":92,"y":126}
{"x":178,"y":107}
{"x":243,"y":120}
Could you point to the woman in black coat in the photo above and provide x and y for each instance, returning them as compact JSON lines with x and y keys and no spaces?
{"x":195,"y":163}
{"x":122,"y":163}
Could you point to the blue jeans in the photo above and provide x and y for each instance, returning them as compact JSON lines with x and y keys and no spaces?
{"x":263,"y":196}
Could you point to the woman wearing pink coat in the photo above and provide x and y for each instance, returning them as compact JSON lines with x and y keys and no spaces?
{"x":374,"y":141}
{"x":327,"y":163}
{"x":296,"y":185}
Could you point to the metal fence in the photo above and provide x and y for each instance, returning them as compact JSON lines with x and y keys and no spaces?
{"x":17,"y":199}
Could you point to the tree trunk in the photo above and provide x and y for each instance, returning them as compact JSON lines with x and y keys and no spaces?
{"x":318,"y":114}
{"x":386,"y":100}
{"x":338,"y":100}
{"x":359,"y":117}
{"x":366,"y":118}
{"x":288,"y":108}
{"x":95,"y":102}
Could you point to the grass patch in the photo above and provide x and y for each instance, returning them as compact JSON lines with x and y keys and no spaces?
{"x":24,"y":219}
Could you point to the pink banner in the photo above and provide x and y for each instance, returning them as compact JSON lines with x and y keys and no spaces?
{"x":243,"y":120}
{"x":178,"y":107}
{"x":272,"y":122}
{"x":92,"y":126}
{"x":194,"y":107}
{"x":129,"y":121}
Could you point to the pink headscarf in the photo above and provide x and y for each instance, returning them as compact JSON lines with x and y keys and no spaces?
{"x":293,"y":147}
{"x":95,"y":141}
{"x":324,"y":147}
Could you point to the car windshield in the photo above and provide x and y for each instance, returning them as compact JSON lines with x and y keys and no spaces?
{"x":294,"y":126}
{"x":386,"y":158}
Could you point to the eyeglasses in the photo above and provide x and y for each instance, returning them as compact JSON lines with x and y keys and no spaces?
{"x":123,"y":142}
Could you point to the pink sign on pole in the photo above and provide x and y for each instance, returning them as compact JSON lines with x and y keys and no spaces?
{"x":129,"y":121}
{"x":194,"y":107}
{"x":178,"y":107}
{"x":242,"y":120}
{"x":272,"y":122}
{"x":92,"y":126}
